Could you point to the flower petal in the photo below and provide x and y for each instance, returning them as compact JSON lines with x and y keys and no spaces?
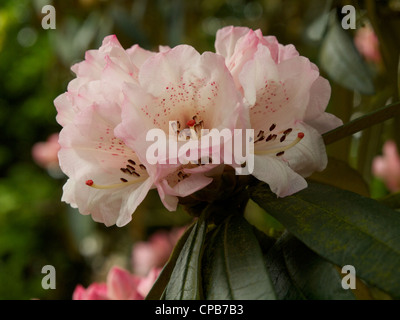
{"x":282,"y":180}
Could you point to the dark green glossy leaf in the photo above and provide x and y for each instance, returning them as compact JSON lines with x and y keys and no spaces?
{"x":284,"y":285}
{"x":159,"y":286}
{"x":316,"y":278}
{"x":184,"y":283}
{"x":341,"y":60}
{"x":343,"y":227}
{"x":233,"y":266}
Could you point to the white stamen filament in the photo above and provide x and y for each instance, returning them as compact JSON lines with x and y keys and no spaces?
{"x":300,"y":136}
{"x":91,"y":184}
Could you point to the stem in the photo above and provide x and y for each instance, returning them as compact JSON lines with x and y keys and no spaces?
{"x":375,"y":117}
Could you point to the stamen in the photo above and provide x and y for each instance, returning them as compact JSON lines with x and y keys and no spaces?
{"x":124,"y":183}
{"x":278,"y":151}
{"x":130,"y":167}
{"x":193,"y":133}
{"x":271,"y":137}
{"x":191,"y":123}
{"x":142,"y":167}
{"x":271,"y":128}
{"x":286,"y":132}
{"x":283,"y":138}
{"x":132,"y":162}
{"x":260,"y":138}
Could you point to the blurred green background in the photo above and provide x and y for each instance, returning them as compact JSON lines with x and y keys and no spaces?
{"x":36,"y":229}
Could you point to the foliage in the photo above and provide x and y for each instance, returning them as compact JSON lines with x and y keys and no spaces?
{"x":326,"y":227}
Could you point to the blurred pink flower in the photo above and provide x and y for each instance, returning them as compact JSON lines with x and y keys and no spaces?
{"x":155,"y":252}
{"x":387,"y":166}
{"x":120,"y":285}
{"x":367,"y":44}
{"x":45,"y":153}
{"x":287,"y":99}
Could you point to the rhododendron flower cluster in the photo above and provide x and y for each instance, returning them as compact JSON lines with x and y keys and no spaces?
{"x":250,"y":82}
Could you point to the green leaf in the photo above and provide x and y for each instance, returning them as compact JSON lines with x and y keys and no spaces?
{"x":316,"y":278}
{"x":233,"y":266}
{"x":284,"y":285}
{"x":343,"y":227}
{"x":156,"y":292}
{"x":341,"y":60}
{"x":184,"y":283}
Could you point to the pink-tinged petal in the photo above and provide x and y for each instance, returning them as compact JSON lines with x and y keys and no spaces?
{"x":282,"y":95}
{"x":94,"y":61}
{"x":139,"y":55}
{"x":79,"y":293}
{"x":147,"y":283}
{"x":282,"y":180}
{"x":96,"y":291}
{"x":122,"y":285}
{"x":245,"y":49}
{"x":256,"y":74}
{"x":227,"y":38}
{"x":65,"y":111}
{"x":164,"y":48}
{"x":287,"y":52}
{"x":308,"y":155}
{"x":132,"y":202}
{"x":315,"y":115}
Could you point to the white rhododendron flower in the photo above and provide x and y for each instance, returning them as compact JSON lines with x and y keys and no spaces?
{"x":91,"y":155}
{"x":287,"y":99}
{"x":117,"y":97}
{"x":180,"y":93}
{"x":134,"y":120}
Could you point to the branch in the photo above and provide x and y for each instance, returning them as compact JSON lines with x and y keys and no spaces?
{"x":375,"y":117}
